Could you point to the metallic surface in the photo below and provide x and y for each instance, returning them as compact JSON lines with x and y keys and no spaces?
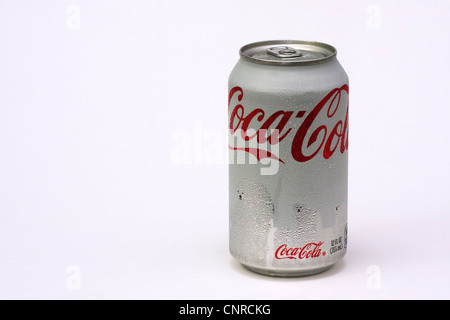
{"x":311,"y":52}
{"x":304,"y":204}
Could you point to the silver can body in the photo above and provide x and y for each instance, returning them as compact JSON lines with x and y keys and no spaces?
{"x":288,"y":165}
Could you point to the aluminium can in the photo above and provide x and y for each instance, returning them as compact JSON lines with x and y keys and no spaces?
{"x":288,"y":158}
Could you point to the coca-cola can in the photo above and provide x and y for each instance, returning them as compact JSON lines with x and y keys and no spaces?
{"x":288,"y":161}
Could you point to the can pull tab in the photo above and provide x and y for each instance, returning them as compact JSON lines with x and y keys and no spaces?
{"x":284,"y":52}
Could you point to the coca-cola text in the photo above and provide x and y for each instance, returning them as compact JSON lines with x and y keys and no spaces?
{"x":308,"y":251}
{"x":305,"y":144}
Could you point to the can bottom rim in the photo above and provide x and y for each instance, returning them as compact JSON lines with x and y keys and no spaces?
{"x":287,"y":273}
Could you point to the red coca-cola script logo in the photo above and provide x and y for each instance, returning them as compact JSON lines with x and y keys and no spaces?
{"x":306,"y":142}
{"x":309,"y":251}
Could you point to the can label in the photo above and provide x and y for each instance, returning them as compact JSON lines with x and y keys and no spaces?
{"x":334,"y":138}
{"x":288,"y":177}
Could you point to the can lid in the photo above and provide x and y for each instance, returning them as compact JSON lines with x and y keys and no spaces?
{"x":287,"y":52}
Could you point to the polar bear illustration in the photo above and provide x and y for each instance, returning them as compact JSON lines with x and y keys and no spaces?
{"x":251,"y":219}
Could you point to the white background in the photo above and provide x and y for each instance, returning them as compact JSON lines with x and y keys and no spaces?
{"x":94,"y":95}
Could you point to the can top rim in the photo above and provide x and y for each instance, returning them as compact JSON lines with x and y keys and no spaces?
{"x":288,"y":52}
